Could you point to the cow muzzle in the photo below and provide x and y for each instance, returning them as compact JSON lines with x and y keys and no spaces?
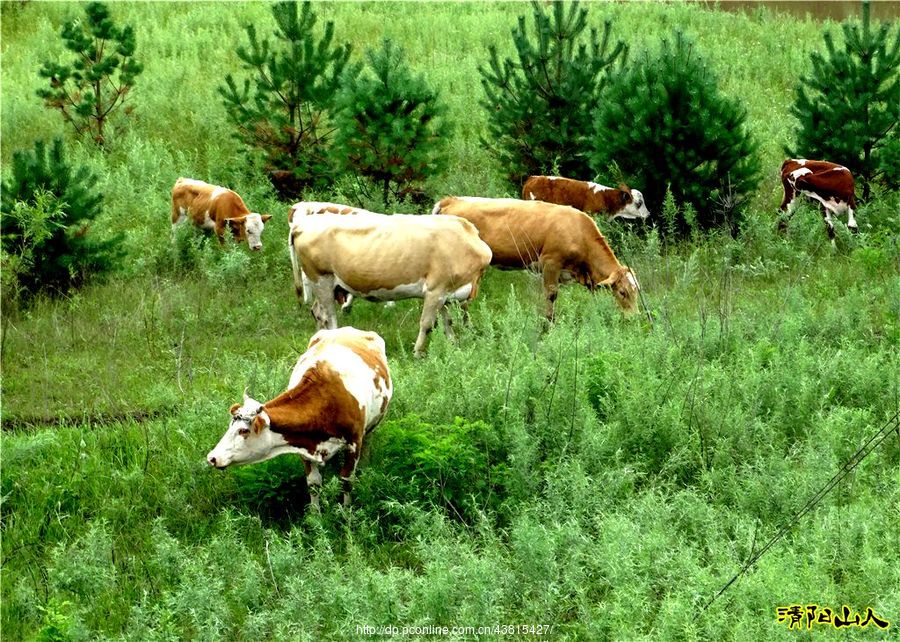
{"x":215,"y":462}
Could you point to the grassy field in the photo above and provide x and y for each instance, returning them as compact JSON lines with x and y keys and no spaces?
{"x":605,"y":476}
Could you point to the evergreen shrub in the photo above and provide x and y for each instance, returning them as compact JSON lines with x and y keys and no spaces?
{"x":848,"y":106}
{"x":664,"y":122}
{"x":539,"y":104}
{"x":286,"y":116}
{"x":48,"y":207}
{"x":391,"y":128}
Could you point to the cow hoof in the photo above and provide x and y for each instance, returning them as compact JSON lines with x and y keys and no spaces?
{"x":854,"y":229}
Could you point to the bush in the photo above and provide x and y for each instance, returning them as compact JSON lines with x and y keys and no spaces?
{"x":664,"y":116}
{"x":391,"y":128}
{"x":849,"y":106}
{"x":95,"y":84}
{"x":539,"y":106}
{"x":295,"y":83}
{"x":47,"y":209}
{"x":460,"y":467}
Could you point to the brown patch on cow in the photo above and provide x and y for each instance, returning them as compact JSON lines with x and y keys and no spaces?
{"x":578,"y":194}
{"x":316,"y":409}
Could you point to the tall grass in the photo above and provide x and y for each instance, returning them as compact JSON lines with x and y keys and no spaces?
{"x":603,"y":475}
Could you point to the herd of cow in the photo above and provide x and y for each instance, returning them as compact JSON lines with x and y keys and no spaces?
{"x":341,"y":386}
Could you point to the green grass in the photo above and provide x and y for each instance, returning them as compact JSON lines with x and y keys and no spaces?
{"x":601,"y":475}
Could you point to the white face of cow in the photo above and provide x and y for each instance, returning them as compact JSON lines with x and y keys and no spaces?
{"x":248,"y":438}
{"x":637,"y":208}
{"x":250,"y":227}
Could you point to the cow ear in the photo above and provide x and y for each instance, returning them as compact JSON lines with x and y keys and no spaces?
{"x":625,"y":194}
{"x":266,"y":217}
{"x":258,"y":423}
{"x":234,"y":407}
{"x":235,"y":223}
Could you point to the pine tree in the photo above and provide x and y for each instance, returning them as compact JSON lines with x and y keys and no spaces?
{"x":295,"y":80}
{"x":89,"y":89}
{"x":849,"y":105}
{"x":47,"y":208}
{"x":390,"y":125}
{"x":664,"y":122}
{"x":539,"y":105}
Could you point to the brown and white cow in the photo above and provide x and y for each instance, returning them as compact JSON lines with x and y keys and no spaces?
{"x":387,"y":258}
{"x":338,"y":392}
{"x":213,"y":208}
{"x":830,"y":184}
{"x":592,"y":198}
{"x":560,"y":241}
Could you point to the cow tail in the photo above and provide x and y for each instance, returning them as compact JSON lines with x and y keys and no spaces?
{"x":295,"y":262}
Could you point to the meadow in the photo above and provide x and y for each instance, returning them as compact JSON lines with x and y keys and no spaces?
{"x":604,"y":476}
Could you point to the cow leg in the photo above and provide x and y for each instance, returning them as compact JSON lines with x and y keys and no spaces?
{"x":851,"y":222}
{"x":788,"y":203}
{"x":829,"y":225}
{"x":313,"y":482}
{"x":430,"y":306}
{"x":347,"y":471}
{"x":551,"y":286}
{"x":448,"y":322}
{"x":323,"y":307}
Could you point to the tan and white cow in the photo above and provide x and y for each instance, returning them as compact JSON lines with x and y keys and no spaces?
{"x":338,"y":392}
{"x":311,"y":208}
{"x":560,"y":241}
{"x":830,"y":184}
{"x":387,"y":258}
{"x":591,"y":198}
{"x":212,"y":207}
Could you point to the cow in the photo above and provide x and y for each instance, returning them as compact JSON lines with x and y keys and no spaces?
{"x":213,"y":208}
{"x":387,"y":258}
{"x":560,"y":241}
{"x":830,"y":184}
{"x":309,"y":208}
{"x":337,"y":394}
{"x":621,"y":202}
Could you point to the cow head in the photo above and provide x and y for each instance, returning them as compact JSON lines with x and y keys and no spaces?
{"x":248,"y":438}
{"x":250,"y":227}
{"x":624,"y":286}
{"x":633,"y":205}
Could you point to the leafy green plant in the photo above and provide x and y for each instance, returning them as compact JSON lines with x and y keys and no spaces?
{"x":848,"y":107}
{"x":295,"y":81}
{"x":48,"y":207}
{"x":665,"y":116}
{"x":391,"y":128}
{"x":539,"y":104}
{"x":460,"y":467}
{"x":90,"y":88}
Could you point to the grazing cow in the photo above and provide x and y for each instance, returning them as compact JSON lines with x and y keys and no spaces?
{"x":386,"y":258}
{"x":212,"y":208}
{"x":310,"y":208}
{"x":307,"y":208}
{"x":559,"y":240}
{"x":587,"y":197}
{"x":828,"y":183}
{"x":338,"y":392}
